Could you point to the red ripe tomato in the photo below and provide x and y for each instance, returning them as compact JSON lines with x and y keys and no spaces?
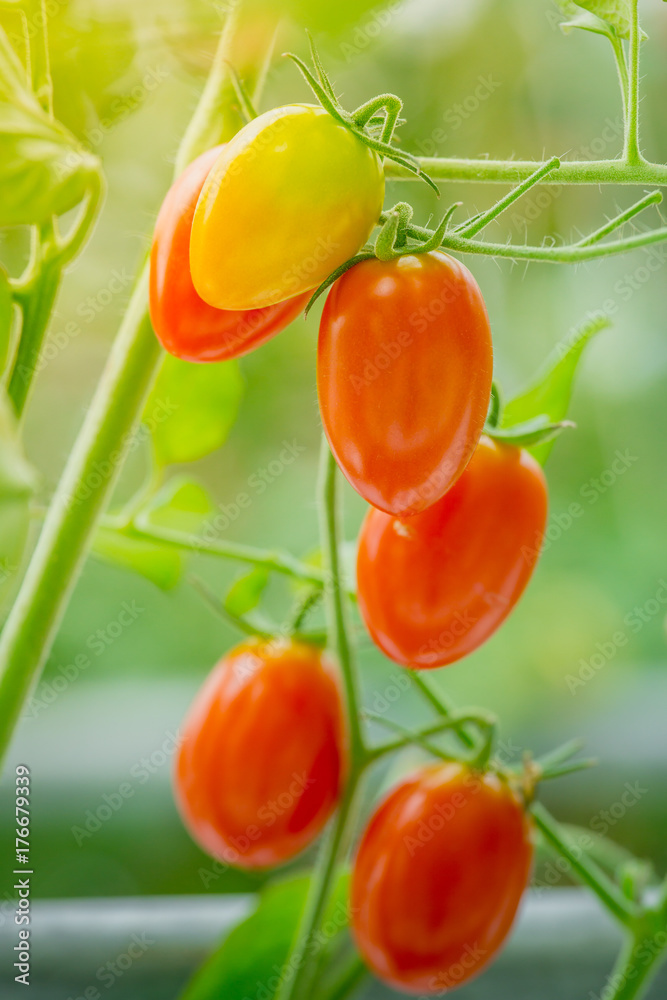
{"x":262,"y":760}
{"x":185,"y":325}
{"x":434,"y":587}
{"x":404,"y":371}
{"x":438,"y":878}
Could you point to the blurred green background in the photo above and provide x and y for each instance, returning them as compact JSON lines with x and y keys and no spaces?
{"x":493,"y":77}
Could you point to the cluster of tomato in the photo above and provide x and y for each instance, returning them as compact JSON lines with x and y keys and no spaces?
{"x":404,"y":383}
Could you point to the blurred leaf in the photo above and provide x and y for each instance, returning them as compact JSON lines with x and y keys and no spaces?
{"x":256,"y":950}
{"x":182,"y":504}
{"x":6,"y":318}
{"x":246,"y":592}
{"x":43,"y":170}
{"x":160,"y":564}
{"x":548,"y":396}
{"x":588,"y":22}
{"x":192,"y":408}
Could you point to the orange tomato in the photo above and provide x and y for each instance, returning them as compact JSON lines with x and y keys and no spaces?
{"x":404,"y":368}
{"x":434,"y":587}
{"x":438,"y":878}
{"x":262,"y":760}
{"x":185,"y":325}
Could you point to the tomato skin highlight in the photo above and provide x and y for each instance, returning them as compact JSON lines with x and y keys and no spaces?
{"x":291,"y":197}
{"x":433,"y":587}
{"x":185,"y":325}
{"x":438,"y":878}
{"x":404,"y":369}
{"x":264,"y":752}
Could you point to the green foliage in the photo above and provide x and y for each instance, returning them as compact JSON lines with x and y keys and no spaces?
{"x":43,"y":170}
{"x":548,"y":396}
{"x":251,"y":954}
{"x":161,"y":565}
{"x":605,"y":17}
{"x":182,"y":505}
{"x":245,"y":593}
{"x":192,"y":408}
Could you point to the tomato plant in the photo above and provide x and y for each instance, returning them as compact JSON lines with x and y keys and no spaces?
{"x":438,"y":877}
{"x":276,"y":750}
{"x":404,"y":367}
{"x":262,"y":758}
{"x":185,"y":325}
{"x":289,"y":199}
{"x":459,"y":567}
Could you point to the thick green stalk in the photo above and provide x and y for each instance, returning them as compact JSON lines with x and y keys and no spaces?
{"x":513,"y":171}
{"x":301,"y":964}
{"x":91,"y":471}
{"x":82,"y":494}
{"x":631,"y":151}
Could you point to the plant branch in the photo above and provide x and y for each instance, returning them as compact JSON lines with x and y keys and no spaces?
{"x":488,"y":171}
{"x":275,"y":561}
{"x":585,"y":869}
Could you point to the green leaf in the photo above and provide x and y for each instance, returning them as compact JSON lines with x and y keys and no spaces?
{"x":182,"y":505}
{"x":44,"y":171}
{"x":255,"y":951}
{"x":548,"y":395}
{"x":160,"y":564}
{"x":192,"y":408}
{"x":588,"y":22}
{"x":617,"y":13}
{"x":245,"y":593}
{"x":6,"y":318}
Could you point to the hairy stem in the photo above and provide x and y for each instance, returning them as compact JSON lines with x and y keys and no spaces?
{"x":631,"y":151}
{"x":512,"y":171}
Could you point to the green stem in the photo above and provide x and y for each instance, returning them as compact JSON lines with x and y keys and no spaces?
{"x":585,"y":869}
{"x":334,"y":597}
{"x":38,"y":48}
{"x":36,"y":304}
{"x":485,"y":723}
{"x":637,"y":964}
{"x":277,"y":562}
{"x":439,"y":703}
{"x":82,"y":493}
{"x":300,"y":965}
{"x":512,"y":171}
{"x":572,"y":254}
{"x":631,"y":151}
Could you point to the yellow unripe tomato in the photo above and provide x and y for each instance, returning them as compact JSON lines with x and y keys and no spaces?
{"x":290,"y":199}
